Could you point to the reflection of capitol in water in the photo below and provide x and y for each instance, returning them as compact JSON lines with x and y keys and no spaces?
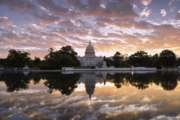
{"x":90,"y":79}
{"x":67,"y":83}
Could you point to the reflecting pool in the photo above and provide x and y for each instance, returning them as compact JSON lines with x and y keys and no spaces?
{"x":90,"y":96}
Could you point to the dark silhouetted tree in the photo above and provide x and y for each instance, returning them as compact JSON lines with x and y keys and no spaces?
{"x":17,"y":59}
{"x":178,"y":62}
{"x":139,"y":59}
{"x":155,"y":61}
{"x":109,"y":62}
{"x":36,"y":62}
{"x":118,"y":59}
{"x":66,"y":57}
{"x":167,"y":59}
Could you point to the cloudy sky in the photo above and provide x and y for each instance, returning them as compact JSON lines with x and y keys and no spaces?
{"x":111,"y":25}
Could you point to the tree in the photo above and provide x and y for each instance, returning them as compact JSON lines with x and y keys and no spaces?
{"x":68,"y":50}
{"x":17,"y":58}
{"x":109,"y":62}
{"x":140,"y":59}
{"x":36,"y":62}
{"x":2,"y":62}
{"x":155,"y":61}
{"x":117,"y":59}
{"x":178,"y":62}
{"x":65,"y":57}
{"x":167,"y":59}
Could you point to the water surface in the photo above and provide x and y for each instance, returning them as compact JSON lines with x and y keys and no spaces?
{"x":90,"y":96}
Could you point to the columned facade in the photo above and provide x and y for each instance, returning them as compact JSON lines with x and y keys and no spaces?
{"x":90,"y":59}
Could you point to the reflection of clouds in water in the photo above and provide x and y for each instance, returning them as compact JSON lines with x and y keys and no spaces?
{"x":4,"y":93}
{"x":76,"y":101}
{"x":164,"y":117}
{"x":71,"y":101}
{"x":128,"y":108}
{"x":91,"y":117}
{"x":108,"y":84}
{"x":80,"y":87}
{"x":146,"y":99}
{"x":107,"y":101}
{"x":111,"y":100}
{"x":2,"y":85}
{"x":30,"y":91}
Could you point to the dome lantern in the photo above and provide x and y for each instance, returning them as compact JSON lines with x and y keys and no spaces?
{"x":90,"y":52}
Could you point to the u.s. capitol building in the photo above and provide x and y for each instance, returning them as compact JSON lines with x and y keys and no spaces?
{"x":90,"y":59}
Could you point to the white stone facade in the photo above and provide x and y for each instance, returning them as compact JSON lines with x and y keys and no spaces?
{"x":90,"y":59}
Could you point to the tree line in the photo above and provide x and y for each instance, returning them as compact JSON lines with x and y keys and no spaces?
{"x":166,"y":59}
{"x":67,"y":57}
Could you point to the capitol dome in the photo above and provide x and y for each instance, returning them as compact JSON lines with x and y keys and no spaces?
{"x":90,"y":52}
{"x":90,"y":59}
